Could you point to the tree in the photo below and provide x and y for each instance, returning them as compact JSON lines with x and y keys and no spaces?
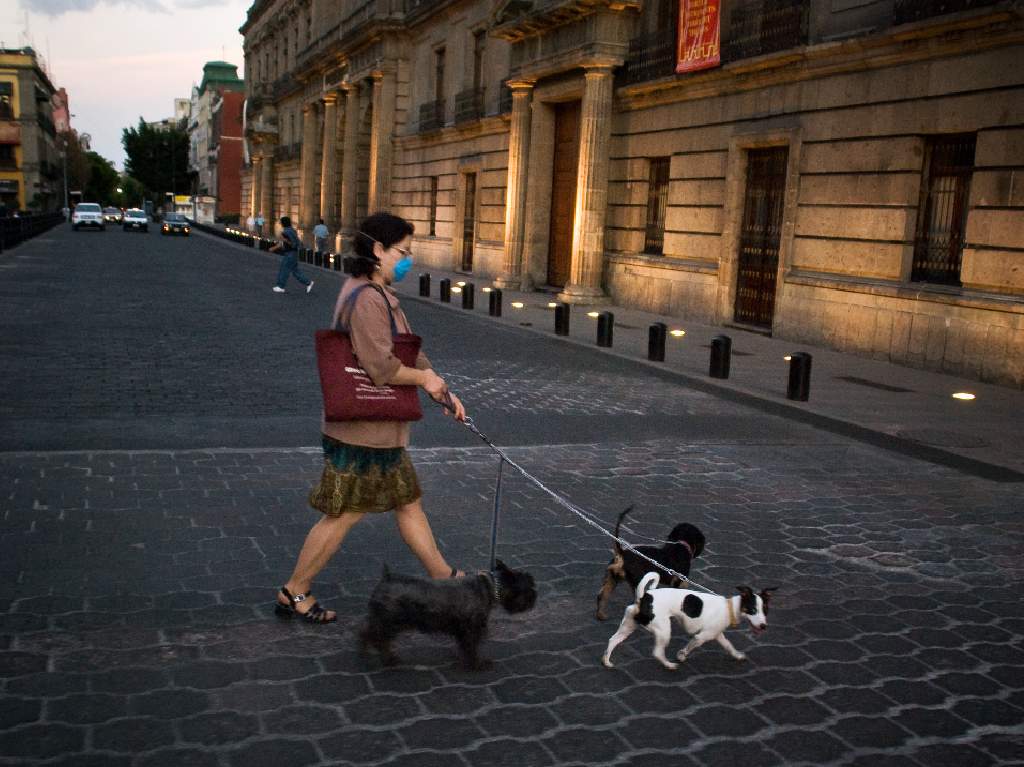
{"x":157,"y":158}
{"x":103,"y":178}
{"x":132,"y":194}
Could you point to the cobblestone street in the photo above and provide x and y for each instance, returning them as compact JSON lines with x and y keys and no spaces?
{"x":158,"y":424}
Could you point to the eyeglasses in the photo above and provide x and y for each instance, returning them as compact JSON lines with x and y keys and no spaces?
{"x":405,"y":253}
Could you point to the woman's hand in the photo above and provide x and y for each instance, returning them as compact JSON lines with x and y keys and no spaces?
{"x":435,"y":386}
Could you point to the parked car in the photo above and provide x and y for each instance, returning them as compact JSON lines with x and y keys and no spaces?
{"x":112,"y":215}
{"x":87,"y":214}
{"x":175,"y":223}
{"x":135,"y":219}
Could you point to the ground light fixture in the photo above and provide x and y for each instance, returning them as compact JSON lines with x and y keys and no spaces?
{"x":518,"y":304}
{"x":486,"y":290}
{"x":552,"y":304}
{"x":594,"y":315}
{"x":677,"y":333}
{"x":963,"y":395}
{"x":456,"y":288}
{"x":788,"y":358}
{"x":461,"y":283}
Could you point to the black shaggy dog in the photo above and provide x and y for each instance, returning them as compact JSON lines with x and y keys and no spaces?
{"x":686,"y":542}
{"x":460,"y":607}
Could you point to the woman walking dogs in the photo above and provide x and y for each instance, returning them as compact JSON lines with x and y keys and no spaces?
{"x":366,"y":467}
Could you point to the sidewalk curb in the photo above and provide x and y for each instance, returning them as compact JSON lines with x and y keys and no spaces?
{"x":744,"y":396}
{"x":781,"y":408}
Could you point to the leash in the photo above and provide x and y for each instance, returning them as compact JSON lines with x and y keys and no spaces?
{"x":586,"y":516}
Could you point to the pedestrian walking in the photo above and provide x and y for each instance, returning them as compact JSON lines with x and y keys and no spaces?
{"x":250,"y":224}
{"x":320,"y":236}
{"x":366,"y":467}
{"x":259,"y":224}
{"x":288,"y":247}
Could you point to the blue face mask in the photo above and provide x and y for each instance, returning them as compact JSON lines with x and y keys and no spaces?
{"x":402,"y":268}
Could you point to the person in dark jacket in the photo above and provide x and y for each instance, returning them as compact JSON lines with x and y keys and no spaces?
{"x":288,"y":247}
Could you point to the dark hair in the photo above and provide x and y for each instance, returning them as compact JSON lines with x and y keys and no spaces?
{"x":385,"y":228}
{"x":285,"y":221}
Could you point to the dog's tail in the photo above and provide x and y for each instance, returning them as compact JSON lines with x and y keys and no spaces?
{"x":618,"y":524}
{"x":645,"y":599}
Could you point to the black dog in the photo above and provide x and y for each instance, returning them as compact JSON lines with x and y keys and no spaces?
{"x":460,"y":607}
{"x":686,"y":542}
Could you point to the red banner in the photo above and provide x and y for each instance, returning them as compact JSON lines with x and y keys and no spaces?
{"x":699,"y":28}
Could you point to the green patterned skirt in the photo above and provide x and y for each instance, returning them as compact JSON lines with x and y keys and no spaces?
{"x":369,"y":479}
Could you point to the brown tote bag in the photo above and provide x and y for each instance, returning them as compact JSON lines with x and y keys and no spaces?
{"x":349,"y":393}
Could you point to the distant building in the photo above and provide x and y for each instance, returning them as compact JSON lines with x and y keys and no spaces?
{"x":215,"y":138}
{"x":30,"y":160}
{"x":182,"y":110}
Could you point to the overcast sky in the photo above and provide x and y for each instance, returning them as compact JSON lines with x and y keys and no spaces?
{"x":120,"y":59}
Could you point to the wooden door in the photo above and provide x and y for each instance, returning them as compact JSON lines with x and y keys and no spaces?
{"x":760,"y":235}
{"x":563,"y":192}
{"x":469,"y":223}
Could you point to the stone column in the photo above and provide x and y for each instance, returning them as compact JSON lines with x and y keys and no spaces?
{"x":350,"y":156}
{"x":267,"y":189}
{"x":309,"y":193}
{"x":515,"y":199}
{"x":380,"y":140}
{"x":254,"y":186}
{"x":329,"y":163}
{"x":591,"y":190}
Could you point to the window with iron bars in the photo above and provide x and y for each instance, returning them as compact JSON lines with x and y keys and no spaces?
{"x":942,"y":212}
{"x":657,"y":203}
{"x":433,"y":206}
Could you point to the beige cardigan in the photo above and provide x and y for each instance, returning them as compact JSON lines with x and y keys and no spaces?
{"x":370,"y":331}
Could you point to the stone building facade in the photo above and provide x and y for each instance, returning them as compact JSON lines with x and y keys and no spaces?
{"x":30,"y":153}
{"x":849,"y":175}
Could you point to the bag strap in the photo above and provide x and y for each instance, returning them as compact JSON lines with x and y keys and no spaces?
{"x":349,"y":306}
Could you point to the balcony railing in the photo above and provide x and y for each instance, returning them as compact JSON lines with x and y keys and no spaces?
{"x":759,"y":27}
{"x":907,"y":11}
{"x":469,"y":105}
{"x":650,"y":57}
{"x":286,"y":152}
{"x":432,"y":115}
{"x":284,"y":85}
{"x":504,"y":100}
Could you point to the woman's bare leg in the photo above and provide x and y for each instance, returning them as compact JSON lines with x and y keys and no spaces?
{"x":416,"y":532}
{"x":322,"y":542}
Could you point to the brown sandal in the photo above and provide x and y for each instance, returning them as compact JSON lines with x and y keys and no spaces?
{"x":315,"y":614}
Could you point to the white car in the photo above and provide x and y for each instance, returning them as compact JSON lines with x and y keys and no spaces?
{"x":87,"y":214}
{"x":135,"y":219}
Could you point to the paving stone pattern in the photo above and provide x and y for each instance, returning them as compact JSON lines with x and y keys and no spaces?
{"x":136,"y":619}
{"x":136,"y":585}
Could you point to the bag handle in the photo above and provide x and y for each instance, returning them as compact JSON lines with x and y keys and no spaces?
{"x":350,"y":306}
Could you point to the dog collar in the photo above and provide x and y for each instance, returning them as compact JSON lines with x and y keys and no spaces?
{"x":689,"y":548}
{"x":733,"y":623}
{"x":495,"y":588}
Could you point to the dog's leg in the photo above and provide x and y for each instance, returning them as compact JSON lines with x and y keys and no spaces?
{"x":469,"y":646}
{"x":627,"y":627}
{"x":611,"y":580}
{"x":662,"y":630}
{"x":727,"y":646}
{"x":696,"y":641}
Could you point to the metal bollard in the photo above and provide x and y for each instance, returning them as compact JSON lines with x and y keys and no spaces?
{"x":445,"y":287}
{"x":656,"y":342}
{"x":721,"y":354}
{"x":338,"y":261}
{"x":425,"y":285}
{"x":494,"y":302}
{"x":605,"y":328}
{"x":467,"y":296}
{"x":562,"y":320}
{"x":799,"y":387}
